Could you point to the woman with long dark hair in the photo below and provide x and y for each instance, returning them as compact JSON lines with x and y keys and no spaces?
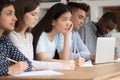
{"x":53,"y":32}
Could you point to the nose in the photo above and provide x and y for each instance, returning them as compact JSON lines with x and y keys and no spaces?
{"x":36,"y":18}
{"x":82,"y":21}
{"x":69,"y":23}
{"x":14,"y":18}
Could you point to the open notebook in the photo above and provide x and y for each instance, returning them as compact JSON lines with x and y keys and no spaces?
{"x":40,"y":73}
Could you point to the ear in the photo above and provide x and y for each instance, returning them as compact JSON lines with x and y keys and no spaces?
{"x":53,"y":22}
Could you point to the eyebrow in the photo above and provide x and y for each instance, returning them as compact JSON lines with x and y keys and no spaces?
{"x":10,"y":11}
{"x":34,"y":12}
{"x":64,"y":17}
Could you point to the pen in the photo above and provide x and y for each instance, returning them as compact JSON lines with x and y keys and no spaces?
{"x":11,"y":60}
{"x":78,"y":52}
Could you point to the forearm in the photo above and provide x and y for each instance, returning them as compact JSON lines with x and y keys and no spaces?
{"x":50,"y":60}
{"x":4,"y":69}
{"x":20,"y":57}
{"x":65,"y":54}
{"x":46,"y":65}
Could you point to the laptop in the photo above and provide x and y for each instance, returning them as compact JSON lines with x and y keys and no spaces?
{"x":105,"y":50}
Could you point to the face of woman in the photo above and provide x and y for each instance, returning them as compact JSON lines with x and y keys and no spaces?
{"x":7,"y":18}
{"x":31,"y":18}
{"x":63,"y":23}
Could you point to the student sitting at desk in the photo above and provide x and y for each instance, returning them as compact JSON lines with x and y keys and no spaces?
{"x":79,"y":11}
{"x":90,"y":31}
{"x":53,"y":32}
{"x":8,"y":52}
{"x":27,"y":16}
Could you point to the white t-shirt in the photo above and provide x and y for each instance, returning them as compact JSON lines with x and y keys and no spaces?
{"x":24,"y":44}
{"x":49,"y":47}
{"x":26,"y":47}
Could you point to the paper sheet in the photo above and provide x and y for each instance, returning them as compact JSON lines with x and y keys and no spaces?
{"x":40,"y":73}
{"x":87,"y":64}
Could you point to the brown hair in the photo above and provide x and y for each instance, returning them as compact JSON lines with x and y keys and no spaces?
{"x":22,"y":7}
{"x":75,"y":5}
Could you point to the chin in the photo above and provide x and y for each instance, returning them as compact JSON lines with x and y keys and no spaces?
{"x":64,"y":32}
{"x":32,"y":26}
{"x":12,"y":28}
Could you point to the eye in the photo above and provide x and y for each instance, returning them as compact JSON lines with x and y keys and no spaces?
{"x":64,"y":19}
{"x":33,"y":14}
{"x":9,"y":13}
{"x":80,"y":17}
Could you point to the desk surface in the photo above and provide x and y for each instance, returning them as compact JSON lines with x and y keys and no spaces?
{"x":80,"y":73}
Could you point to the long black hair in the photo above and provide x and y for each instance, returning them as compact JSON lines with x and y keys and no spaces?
{"x":45,"y":24}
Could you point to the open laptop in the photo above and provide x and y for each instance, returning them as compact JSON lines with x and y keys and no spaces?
{"x":105,"y":49}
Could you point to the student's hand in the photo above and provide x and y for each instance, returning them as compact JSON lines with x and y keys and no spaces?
{"x":69,"y":31}
{"x":115,"y":55}
{"x":17,"y":68}
{"x":92,"y":57}
{"x":79,"y":61}
{"x":68,"y":65}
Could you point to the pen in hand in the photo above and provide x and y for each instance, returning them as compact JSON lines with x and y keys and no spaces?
{"x":11,"y":60}
{"x":81,"y":59}
{"x":78,"y":52}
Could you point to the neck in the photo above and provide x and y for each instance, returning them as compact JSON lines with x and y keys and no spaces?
{"x":21,"y":30}
{"x":1,"y":32}
{"x":51,"y":35}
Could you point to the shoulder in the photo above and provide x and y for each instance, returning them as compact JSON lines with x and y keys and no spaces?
{"x":60,"y":36}
{"x":13,"y":34}
{"x":29,"y":35}
{"x":43,"y":36}
{"x":6,"y":41}
{"x":88,"y":27}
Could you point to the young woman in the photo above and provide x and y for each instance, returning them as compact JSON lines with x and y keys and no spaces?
{"x":7,"y":49}
{"x":53,"y":32}
{"x":27,"y":15}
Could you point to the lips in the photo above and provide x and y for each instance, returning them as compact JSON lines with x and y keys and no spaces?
{"x":12,"y":24}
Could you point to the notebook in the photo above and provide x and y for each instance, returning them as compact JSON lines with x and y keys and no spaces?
{"x":105,"y":49}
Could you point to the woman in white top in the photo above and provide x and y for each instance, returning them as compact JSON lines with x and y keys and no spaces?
{"x":53,"y":33}
{"x":27,"y":14}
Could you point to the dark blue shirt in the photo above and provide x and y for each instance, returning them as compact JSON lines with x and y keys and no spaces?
{"x":8,"y":50}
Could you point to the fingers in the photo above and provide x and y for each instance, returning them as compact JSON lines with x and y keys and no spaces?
{"x":79,"y":61}
{"x":115,"y":56}
{"x":69,"y":30}
{"x":92,"y":56}
{"x":71,"y":27}
{"x":19,"y":67}
{"x":23,"y":65}
{"x":68,"y":65}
